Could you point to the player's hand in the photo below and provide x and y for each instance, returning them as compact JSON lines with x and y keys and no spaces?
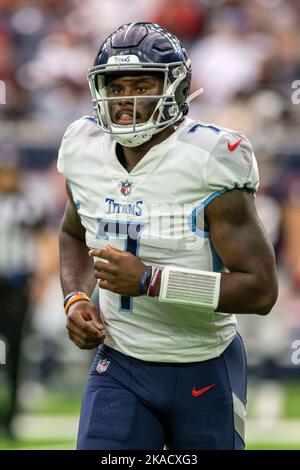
{"x":120,"y":273}
{"x":84,"y":325}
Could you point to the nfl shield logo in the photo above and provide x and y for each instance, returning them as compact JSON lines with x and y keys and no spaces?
{"x":102,"y":365}
{"x":125,"y":187}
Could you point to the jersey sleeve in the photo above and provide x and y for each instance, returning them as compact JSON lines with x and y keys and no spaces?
{"x":61,"y":167}
{"x":60,"y":159}
{"x":73,"y":142}
{"x":231,"y":164}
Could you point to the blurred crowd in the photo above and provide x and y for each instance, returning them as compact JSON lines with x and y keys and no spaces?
{"x":246,"y":56}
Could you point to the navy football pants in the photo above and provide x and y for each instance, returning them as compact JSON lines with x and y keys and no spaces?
{"x":130,"y":404}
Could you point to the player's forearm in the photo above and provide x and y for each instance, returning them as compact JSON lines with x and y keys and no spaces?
{"x":238,"y":293}
{"x":247,"y":293}
{"x":235,"y":292}
{"x":76,"y":267}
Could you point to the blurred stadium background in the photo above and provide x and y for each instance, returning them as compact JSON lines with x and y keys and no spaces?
{"x":246,"y":55}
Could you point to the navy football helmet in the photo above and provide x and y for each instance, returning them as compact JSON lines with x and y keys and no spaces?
{"x":147,"y":48}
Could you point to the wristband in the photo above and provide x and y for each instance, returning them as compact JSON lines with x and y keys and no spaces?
{"x":153,"y":282}
{"x":190,"y":287}
{"x":75,"y":298}
{"x":74,"y":292}
{"x":145,"y":279}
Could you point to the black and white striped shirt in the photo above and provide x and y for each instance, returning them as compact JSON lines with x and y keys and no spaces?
{"x":20,"y":219}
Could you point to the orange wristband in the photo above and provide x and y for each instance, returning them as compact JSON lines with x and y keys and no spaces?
{"x":75,"y":298}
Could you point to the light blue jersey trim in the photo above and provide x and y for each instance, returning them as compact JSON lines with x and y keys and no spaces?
{"x":90,"y":118}
{"x":77,"y":204}
{"x":209,"y":127}
{"x":192,"y":219}
{"x":192,"y":222}
{"x":218,"y":265}
{"x":213,"y":196}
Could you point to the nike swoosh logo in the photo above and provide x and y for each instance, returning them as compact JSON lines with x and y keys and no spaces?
{"x":197,"y":393}
{"x":232,"y":147}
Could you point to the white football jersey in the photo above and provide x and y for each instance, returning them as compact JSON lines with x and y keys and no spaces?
{"x":157,"y":213}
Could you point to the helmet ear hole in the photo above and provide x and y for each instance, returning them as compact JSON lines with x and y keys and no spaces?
{"x":185,"y":109}
{"x":170,"y":110}
{"x":181,"y":95}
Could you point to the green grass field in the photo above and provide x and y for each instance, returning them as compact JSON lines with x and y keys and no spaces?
{"x":36,"y":445}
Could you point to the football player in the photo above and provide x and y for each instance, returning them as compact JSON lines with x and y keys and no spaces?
{"x":161,"y":215}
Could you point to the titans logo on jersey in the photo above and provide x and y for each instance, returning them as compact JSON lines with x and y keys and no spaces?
{"x":117,"y":207}
{"x":158,"y":214}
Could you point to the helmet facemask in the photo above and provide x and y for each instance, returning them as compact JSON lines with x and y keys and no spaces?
{"x":167,"y":110}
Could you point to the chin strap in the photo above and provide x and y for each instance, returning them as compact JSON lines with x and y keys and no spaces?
{"x":194,"y":95}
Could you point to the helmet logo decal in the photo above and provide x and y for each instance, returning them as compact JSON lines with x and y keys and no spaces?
{"x":123,"y":59}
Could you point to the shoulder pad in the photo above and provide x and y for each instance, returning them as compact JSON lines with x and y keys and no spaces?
{"x":75,"y":137}
{"x":235,"y":150}
{"x":86,"y":124}
{"x":231,"y":163}
{"x":200,"y":134}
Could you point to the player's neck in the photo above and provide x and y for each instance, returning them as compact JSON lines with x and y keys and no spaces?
{"x":133,"y":155}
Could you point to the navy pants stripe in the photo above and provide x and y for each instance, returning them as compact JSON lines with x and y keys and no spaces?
{"x":130,"y":404}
